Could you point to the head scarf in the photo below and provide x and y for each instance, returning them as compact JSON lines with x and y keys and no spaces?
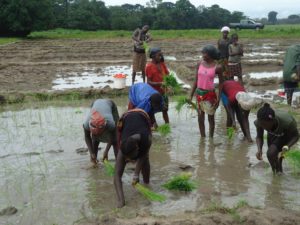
{"x":97,"y":123}
{"x":225,"y":28}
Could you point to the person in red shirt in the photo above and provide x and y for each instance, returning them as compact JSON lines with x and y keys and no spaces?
{"x":238,"y":103}
{"x":155,"y":72}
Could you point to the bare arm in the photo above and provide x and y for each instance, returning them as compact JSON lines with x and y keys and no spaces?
{"x":195,"y":82}
{"x":219,"y":71}
{"x":88,"y":141}
{"x":259,"y":142}
{"x":119,"y":168}
{"x":135,"y":35}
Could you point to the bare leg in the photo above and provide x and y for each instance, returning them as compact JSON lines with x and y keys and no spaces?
{"x":165,"y":116}
{"x":211,"y":121}
{"x":133,"y":76}
{"x":144,"y":76}
{"x":272,"y":155}
{"x":201,"y":117}
{"x":289,"y":97}
{"x":242,"y":117}
{"x":146,"y":171}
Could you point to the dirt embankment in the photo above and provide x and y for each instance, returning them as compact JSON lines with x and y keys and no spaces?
{"x":245,"y":216}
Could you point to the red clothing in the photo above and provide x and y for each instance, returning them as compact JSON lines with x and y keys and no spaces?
{"x":155,"y":74}
{"x":231,"y":88}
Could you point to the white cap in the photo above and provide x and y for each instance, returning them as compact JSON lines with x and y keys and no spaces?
{"x":225,"y":29}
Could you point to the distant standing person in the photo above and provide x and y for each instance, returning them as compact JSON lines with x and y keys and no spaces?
{"x":208,"y":100}
{"x":236,"y":51}
{"x":135,"y":141}
{"x":156,"y":70}
{"x":223,"y":44}
{"x":291,"y":71}
{"x":145,"y":97}
{"x":100,"y":126}
{"x":139,"y":54}
{"x":282,"y":133}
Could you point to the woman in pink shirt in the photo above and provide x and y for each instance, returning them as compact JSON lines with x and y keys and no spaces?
{"x":207,"y":99}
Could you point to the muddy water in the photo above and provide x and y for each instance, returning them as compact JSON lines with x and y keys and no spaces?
{"x":49,"y":183}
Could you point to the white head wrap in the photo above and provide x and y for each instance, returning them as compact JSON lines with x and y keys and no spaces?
{"x":246,"y":101}
{"x":225,"y":29}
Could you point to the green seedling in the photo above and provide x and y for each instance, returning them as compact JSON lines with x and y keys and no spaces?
{"x":230,"y":132}
{"x":170,"y":82}
{"x":164,"y":129}
{"x":150,"y":195}
{"x":182,"y":101}
{"x":146,"y":47}
{"x":181,"y":183}
{"x":109,"y":168}
{"x":293,"y":158}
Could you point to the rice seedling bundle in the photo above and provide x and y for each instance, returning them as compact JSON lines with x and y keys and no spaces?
{"x":146,"y":47}
{"x":293,"y":158}
{"x":109,"y":168}
{"x":150,"y":195}
{"x":230,"y":132}
{"x":171,"y":83}
{"x":182,"y":101}
{"x":180,"y":182}
{"x":164,"y":129}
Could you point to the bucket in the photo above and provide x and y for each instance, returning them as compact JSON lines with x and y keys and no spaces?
{"x":119,"y":81}
{"x":281,"y":92}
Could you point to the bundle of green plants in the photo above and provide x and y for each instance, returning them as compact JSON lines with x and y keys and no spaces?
{"x":181,"y":182}
{"x":109,"y":168}
{"x":182,"y":101}
{"x":170,"y":82}
{"x":146,"y":47}
{"x":150,"y":195}
{"x":230,"y":132}
{"x":293,"y":158}
{"x":164,"y":129}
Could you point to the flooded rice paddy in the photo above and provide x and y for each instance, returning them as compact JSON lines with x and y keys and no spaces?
{"x":44,"y":177}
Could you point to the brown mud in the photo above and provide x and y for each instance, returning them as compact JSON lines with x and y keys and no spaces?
{"x":32,"y":65}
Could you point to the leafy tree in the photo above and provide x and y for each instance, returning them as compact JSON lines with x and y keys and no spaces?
{"x":272,"y":17}
{"x":293,"y":17}
{"x":165,"y":16}
{"x":88,"y":15}
{"x":186,"y":14}
{"x":20,"y":17}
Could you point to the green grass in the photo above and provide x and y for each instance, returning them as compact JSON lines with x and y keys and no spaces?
{"x":4,"y":41}
{"x":270,"y":31}
{"x":109,"y":168}
{"x":230,"y":132}
{"x":171,"y":84}
{"x":150,"y":195}
{"x":182,"y":101}
{"x":180,"y":182}
{"x":293,"y":158}
{"x":219,"y":207}
{"x":164,"y":129}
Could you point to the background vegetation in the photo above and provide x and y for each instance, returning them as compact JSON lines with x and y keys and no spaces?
{"x":21,"y":17}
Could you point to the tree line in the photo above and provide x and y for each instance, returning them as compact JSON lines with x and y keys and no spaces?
{"x":20,"y":17}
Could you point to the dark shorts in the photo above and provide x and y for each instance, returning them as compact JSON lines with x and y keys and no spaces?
{"x":290,"y":87}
